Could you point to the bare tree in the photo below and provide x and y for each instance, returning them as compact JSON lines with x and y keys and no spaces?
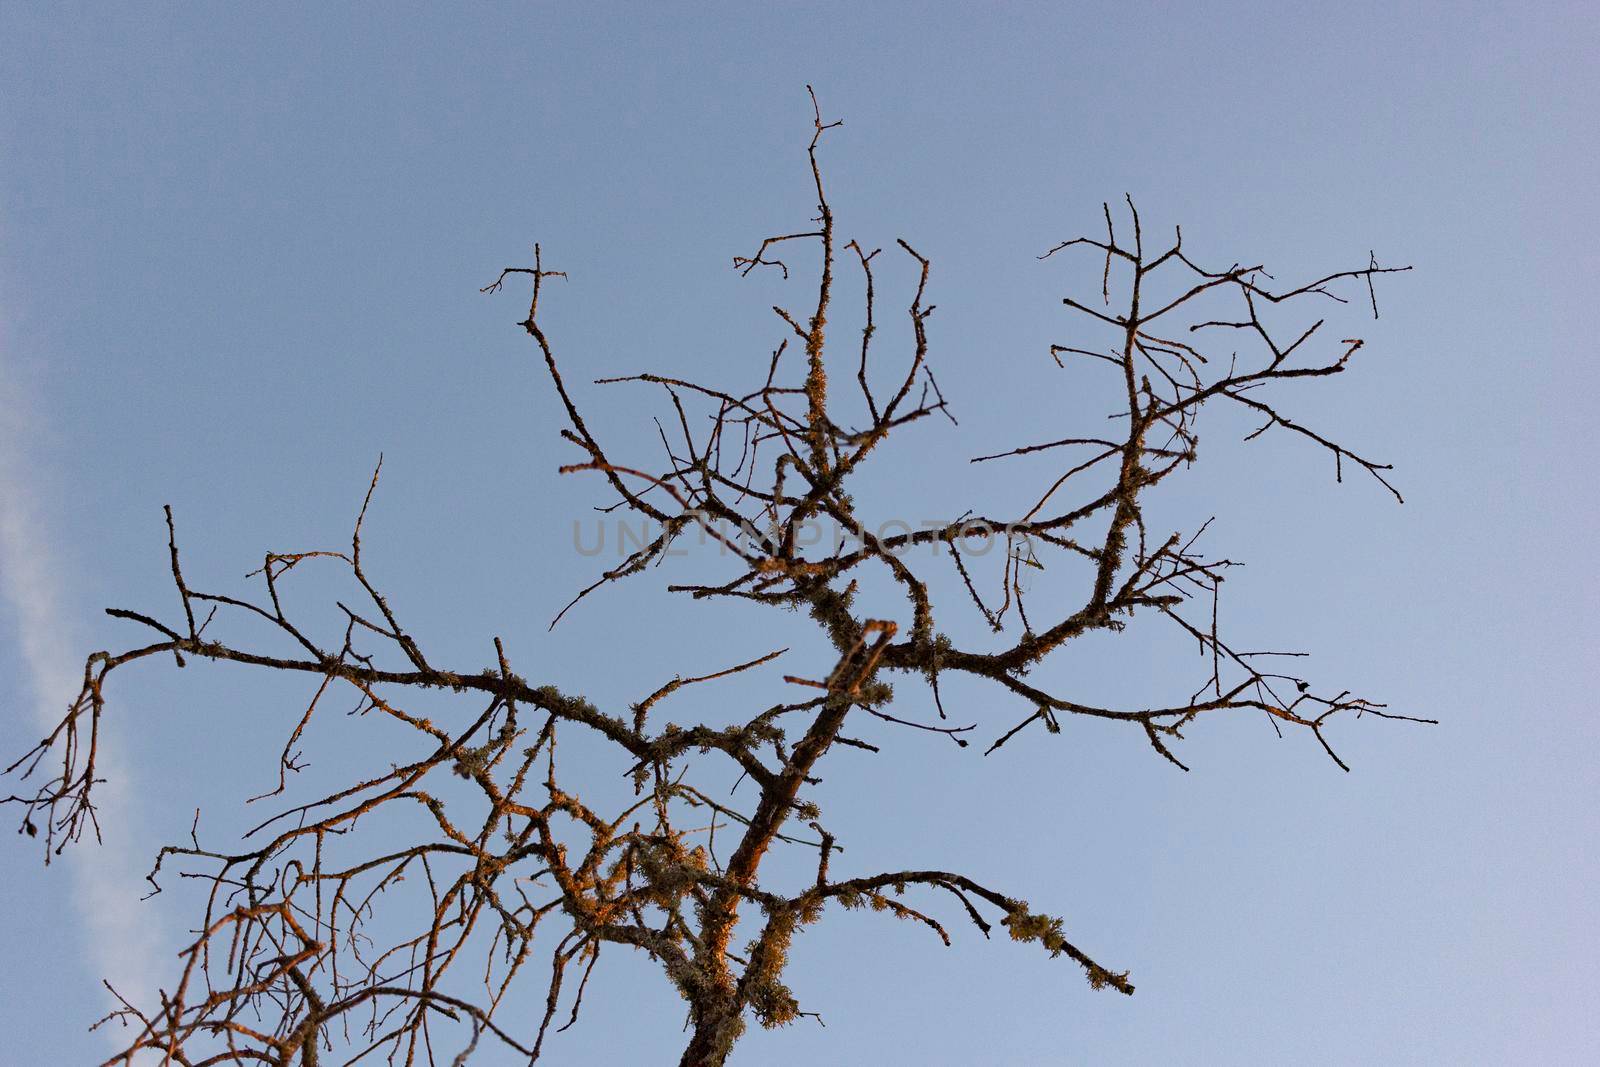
{"x":309,"y":941}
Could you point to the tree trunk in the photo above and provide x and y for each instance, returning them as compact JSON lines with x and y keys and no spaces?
{"x":715,"y":1031}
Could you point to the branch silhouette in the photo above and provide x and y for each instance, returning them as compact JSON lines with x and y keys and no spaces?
{"x":313,"y":939}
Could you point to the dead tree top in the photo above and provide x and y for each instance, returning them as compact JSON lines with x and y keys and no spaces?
{"x":292,"y":960}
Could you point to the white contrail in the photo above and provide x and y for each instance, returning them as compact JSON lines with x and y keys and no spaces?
{"x":119,"y":937}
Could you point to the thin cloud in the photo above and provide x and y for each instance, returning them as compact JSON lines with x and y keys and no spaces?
{"x":120,"y":940}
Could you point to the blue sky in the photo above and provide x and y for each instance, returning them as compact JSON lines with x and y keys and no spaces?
{"x":239,"y":257}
